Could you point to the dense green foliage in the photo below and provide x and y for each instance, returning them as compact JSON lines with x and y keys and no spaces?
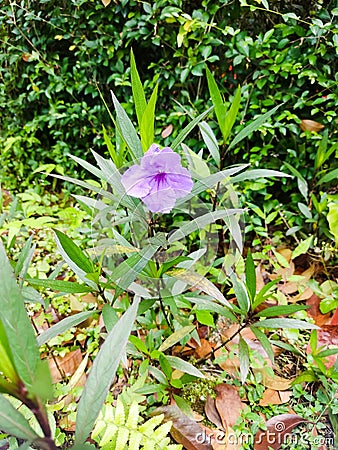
{"x":56,"y":54}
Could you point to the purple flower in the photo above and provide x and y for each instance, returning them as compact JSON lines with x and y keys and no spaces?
{"x":159,"y":179}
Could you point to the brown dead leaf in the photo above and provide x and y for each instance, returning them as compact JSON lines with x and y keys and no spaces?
{"x":270,"y":397}
{"x":334,"y":320}
{"x":228,"y":404}
{"x":184,"y":430}
{"x":310,"y":125}
{"x":286,"y":253}
{"x":285,"y":396}
{"x":276,"y":382}
{"x":277,"y":429}
{"x":64,"y":366}
{"x":204,"y":349}
{"x":314,"y":311}
{"x":212,"y":413}
{"x":167,"y":131}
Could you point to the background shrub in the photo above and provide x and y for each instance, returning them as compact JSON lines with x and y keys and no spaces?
{"x":56,"y":54}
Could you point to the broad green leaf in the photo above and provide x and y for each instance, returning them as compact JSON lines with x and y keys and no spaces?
{"x":176,"y":337}
{"x":63,"y":325}
{"x":285,"y":323}
{"x":280,"y":310}
{"x":253,"y":126}
{"x":210,"y":141}
{"x":102,"y":374}
{"x":184,"y":366}
{"x":303,"y":247}
{"x":250,"y":276}
{"x":217,"y":101}
{"x":75,"y":258}
{"x":231,"y":116}
{"x":16,"y":323}
{"x":14,"y":423}
{"x":199,"y":223}
{"x":184,"y":133}
{"x":138,"y":91}
{"x":148,"y":122}
{"x":244,"y":358}
{"x":127,"y":130}
{"x":59,"y":285}
{"x":332,"y":218}
{"x":210,"y":181}
{"x":7,"y":366}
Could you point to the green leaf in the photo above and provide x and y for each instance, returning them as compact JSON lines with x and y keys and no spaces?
{"x":25,"y":258}
{"x":176,"y":337}
{"x":266,"y":344}
{"x":210,"y":141}
{"x":250,"y":276}
{"x":138,"y":91}
{"x":14,"y":423}
{"x":302,"y":184}
{"x":244,"y":358}
{"x":16,"y":323}
{"x":199,"y":223}
{"x":217,"y":101}
{"x":275,"y":311}
{"x":285,"y":323}
{"x":303,"y":247}
{"x":184,"y":133}
{"x":231,"y":116}
{"x":116,"y":158}
{"x":63,"y":325}
{"x":262,"y":294}
{"x":127,"y":130}
{"x":253,"y":126}
{"x":256,"y":173}
{"x":322,"y":154}
{"x":332,"y":175}
{"x":241,"y":294}
{"x":75,"y":258}
{"x":184,"y":366}
{"x":68,"y":287}
{"x":148,"y":122}
{"x":102,"y":374}
{"x":210,"y":181}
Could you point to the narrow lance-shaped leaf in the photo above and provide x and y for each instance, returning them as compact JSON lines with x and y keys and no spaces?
{"x":14,"y":318}
{"x":253,"y":126}
{"x":184,"y":133}
{"x":232,"y":115}
{"x":217,"y":101}
{"x":138,"y":91}
{"x":210,"y":141}
{"x":14,"y":423}
{"x":244,"y":358}
{"x":148,"y":122}
{"x":127,"y":130}
{"x":250,"y":276}
{"x":102,"y":374}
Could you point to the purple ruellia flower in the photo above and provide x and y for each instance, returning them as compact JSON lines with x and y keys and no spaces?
{"x":159,"y":179}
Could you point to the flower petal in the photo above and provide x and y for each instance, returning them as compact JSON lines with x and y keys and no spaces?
{"x":181,"y":183}
{"x":162,"y":200}
{"x":136,"y":182}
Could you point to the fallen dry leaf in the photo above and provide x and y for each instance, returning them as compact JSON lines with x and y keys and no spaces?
{"x":212,"y":413}
{"x":310,"y":125}
{"x":334,"y":320}
{"x":66,"y":366}
{"x":228,"y":404}
{"x":270,"y":397}
{"x":184,"y":430}
{"x":314,"y":311}
{"x":277,"y":429}
{"x":274,"y":382}
{"x":167,"y":131}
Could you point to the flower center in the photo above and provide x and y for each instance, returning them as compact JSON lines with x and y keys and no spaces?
{"x":160,"y":178}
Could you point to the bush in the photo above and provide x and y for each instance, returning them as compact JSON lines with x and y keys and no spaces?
{"x":55,"y":55}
